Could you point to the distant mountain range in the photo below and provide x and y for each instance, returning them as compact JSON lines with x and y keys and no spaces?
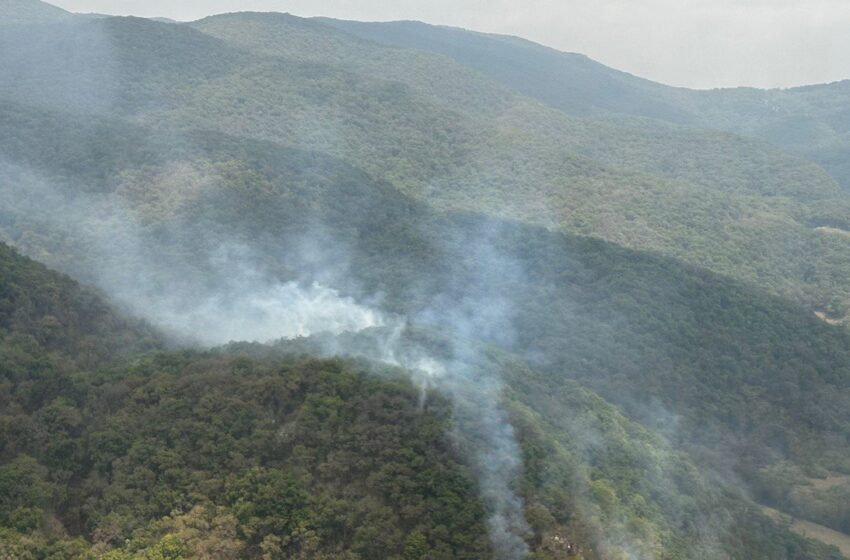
{"x":811,"y":121}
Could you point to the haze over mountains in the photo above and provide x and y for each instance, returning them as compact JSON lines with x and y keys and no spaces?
{"x":514,"y":299}
{"x":810,"y":121}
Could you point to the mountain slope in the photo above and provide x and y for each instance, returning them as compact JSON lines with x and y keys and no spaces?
{"x":443,"y":134}
{"x":197,"y":456}
{"x":570,"y":82}
{"x":51,"y":324}
{"x":249,"y":451}
{"x":16,"y":12}
{"x":811,"y":121}
{"x":173,"y":195}
{"x":648,"y":187}
{"x":207,"y":454}
{"x":638,"y":328}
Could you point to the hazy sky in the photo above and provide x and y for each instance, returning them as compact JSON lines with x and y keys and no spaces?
{"x":696,"y":43}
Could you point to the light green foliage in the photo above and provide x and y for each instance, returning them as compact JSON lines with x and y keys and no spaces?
{"x":437,"y":131}
{"x":811,"y":121}
{"x":691,"y":192}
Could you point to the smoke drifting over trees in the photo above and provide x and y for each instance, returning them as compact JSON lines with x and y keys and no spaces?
{"x":378,"y":268}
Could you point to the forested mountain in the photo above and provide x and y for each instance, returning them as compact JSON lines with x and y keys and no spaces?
{"x":252,"y":451}
{"x":635,"y":296}
{"x":736,"y":207}
{"x":50,"y":325}
{"x":456,"y":141}
{"x":203,"y":455}
{"x":570,"y":82}
{"x":811,"y":121}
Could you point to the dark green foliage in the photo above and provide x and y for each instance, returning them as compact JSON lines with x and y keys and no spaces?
{"x":594,"y":477}
{"x":309,"y":458}
{"x":50,"y":327}
{"x":23,"y":493}
{"x":640,"y":329}
{"x":108,"y":455}
{"x":184,"y":453}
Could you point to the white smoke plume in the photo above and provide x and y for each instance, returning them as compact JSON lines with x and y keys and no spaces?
{"x":284,"y":310}
{"x":494,"y":452}
{"x":208,"y":288}
{"x":482,"y":312}
{"x":239,"y":300}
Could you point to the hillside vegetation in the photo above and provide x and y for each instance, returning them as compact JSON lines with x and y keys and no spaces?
{"x":734,"y":206}
{"x":439,"y":132}
{"x":182,"y":456}
{"x":51,"y":325}
{"x":108,"y":451}
{"x":811,"y":121}
{"x":652,"y":336}
{"x":253,"y":452}
{"x":645,"y":291}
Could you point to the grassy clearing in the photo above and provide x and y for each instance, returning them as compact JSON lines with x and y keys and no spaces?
{"x":812,"y":530}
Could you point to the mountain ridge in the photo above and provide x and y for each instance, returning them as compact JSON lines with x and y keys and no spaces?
{"x":548,"y":75}
{"x":14,"y":12}
{"x":591,"y":157}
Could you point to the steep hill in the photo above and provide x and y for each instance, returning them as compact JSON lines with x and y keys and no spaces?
{"x":569,"y":82}
{"x":163,"y":182}
{"x":441,"y":133}
{"x":810,"y":121}
{"x":49,"y":325}
{"x":199,"y":456}
{"x":708,"y":198}
{"x":16,"y":12}
{"x":249,"y":451}
{"x":662,"y":340}
{"x":140,"y":456}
